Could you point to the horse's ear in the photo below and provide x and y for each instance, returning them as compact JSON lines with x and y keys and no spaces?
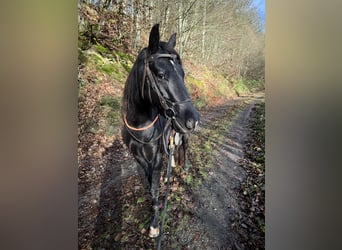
{"x":172,"y":41}
{"x":153,"y":43}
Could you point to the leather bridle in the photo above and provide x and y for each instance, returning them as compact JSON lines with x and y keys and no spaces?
{"x":167,"y":105}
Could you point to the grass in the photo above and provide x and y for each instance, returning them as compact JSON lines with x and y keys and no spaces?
{"x":115,"y":65}
{"x":240,"y":87}
{"x":102,"y":50}
{"x":110,"y":101}
{"x":111,"y":108}
{"x":106,"y":68}
{"x":202,"y":153}
{"x":245,"y":86}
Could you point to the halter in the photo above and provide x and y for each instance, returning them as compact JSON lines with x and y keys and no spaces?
{"x":167,"y":105}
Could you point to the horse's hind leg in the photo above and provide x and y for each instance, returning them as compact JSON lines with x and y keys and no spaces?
{"x":155,"y":181}
{"x":181,"y":157}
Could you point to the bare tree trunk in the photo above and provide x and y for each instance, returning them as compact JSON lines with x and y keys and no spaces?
{"x":138,"y":17}
{"x":150,"y":11}
{"x":166,"y":18}
{"x":203,"y":28}
{"x":132,"y":15}
{"x":180,"y":28}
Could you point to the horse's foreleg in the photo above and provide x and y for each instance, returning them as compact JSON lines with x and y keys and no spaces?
{"x":154,"y":228}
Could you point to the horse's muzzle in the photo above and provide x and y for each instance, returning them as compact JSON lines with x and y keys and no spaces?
{"x":188,"y":125}
{"x":191,"y":124}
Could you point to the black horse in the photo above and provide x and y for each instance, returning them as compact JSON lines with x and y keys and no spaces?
{"x":156,"y":105}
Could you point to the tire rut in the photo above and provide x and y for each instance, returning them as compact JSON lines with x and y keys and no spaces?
{"x":222,"y":185}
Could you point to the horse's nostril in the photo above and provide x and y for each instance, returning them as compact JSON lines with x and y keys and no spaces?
{"x":190,"y":123}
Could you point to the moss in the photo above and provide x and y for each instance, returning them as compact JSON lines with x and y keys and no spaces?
{"x":126,"y":67}
{"x":102,"y":50}
{"x":110,"y":101}
{"x":123,"y":56}
{"x":95,"y":58}
{"x":106,"y":68}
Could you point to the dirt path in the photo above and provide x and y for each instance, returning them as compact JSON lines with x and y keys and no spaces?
{"x":216,"y":200}
{"x":205,"y":210}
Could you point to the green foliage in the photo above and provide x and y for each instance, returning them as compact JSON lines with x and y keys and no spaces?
{"x":126,"y":67}
{"x":177,"y":198}
{"x":140,"y":200}
{"x":95,"y":58}
{"x":112,"y":122}
{"x":116,"y":67}
{"x":255,"y":85}
{"x":111,"y":109}
{"x":240,"y":87}
{"x":188,"y":179}
{"x":222,"y":89}
{"x":101,"y":63}
{"x":106,"y":68}
{"x":102,"y":50}
{"x":244,"y":86}
{"x":110,"y":101}
{"x":196,"y":89}
{"x":124,"y":56}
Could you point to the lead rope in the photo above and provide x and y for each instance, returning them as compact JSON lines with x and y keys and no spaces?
{"x":171,"y":162}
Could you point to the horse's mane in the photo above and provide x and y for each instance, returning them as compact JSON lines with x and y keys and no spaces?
{"x":131,"y":92}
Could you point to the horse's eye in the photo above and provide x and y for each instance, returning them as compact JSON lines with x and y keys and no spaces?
{"x":161,"y":75}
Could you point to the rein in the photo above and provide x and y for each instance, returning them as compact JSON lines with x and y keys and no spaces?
{"x":171,"y":163}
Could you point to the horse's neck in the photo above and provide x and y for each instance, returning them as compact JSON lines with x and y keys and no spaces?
{"x":138,"y":111}
{"x":141,"y":113}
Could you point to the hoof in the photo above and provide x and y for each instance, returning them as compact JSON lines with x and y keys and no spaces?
{"x":154,"y":232}
{"x":173,"y":163}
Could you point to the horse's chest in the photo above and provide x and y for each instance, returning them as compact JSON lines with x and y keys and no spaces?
{"x":149,"y":152}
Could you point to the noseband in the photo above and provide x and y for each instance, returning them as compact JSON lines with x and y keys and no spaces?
{"x":167,"y":105}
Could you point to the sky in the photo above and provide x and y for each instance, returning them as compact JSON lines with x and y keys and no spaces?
{"x":260,"y":6}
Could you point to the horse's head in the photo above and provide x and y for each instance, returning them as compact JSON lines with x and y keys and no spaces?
{"x":164,"y":85}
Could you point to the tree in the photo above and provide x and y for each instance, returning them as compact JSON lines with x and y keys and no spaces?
{"x":222,"y":34}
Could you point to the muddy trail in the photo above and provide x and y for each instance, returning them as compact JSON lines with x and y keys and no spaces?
{"x":215,"y":203}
